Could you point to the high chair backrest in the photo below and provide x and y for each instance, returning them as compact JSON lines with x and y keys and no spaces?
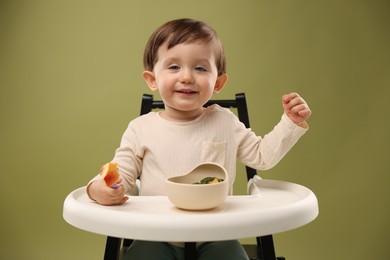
{"x":239,"y":103}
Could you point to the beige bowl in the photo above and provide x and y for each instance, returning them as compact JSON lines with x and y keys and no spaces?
{"x":184,"y":194}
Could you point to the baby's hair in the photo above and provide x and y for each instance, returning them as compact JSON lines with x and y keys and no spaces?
{"x":180,"y":31}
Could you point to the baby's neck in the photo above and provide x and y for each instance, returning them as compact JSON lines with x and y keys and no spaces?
{"x":181,"y":116}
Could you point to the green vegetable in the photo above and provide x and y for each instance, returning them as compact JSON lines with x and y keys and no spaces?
{"x":209,"y":180}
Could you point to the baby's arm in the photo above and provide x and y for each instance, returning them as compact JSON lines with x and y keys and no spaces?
{"x":102,"y":194}
{"x":296,"y":108}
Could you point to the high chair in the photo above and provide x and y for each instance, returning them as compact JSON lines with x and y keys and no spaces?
{"x":263,"y":250}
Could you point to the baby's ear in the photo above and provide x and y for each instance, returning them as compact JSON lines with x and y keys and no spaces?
{"x":220,"y":83}
{"x":150,"y":79}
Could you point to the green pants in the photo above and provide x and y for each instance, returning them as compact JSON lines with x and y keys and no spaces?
{"x":227,"y":250}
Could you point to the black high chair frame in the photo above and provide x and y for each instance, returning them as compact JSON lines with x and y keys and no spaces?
{"x":263,"y":250}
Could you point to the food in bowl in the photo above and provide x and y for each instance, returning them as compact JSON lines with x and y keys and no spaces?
{"x":209,"y":180}
{"x":185,"y":194}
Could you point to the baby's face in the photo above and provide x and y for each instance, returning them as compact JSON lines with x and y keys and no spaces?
{"x":185,"y":76}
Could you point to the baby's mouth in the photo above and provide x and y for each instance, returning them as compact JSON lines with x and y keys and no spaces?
{"x":186,"y":91}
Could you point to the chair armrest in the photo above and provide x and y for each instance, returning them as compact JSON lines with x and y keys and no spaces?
{"x":253,"y":185}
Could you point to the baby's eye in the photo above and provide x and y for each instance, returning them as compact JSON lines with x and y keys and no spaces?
{"x":198,"y":68}
{"x":174,"y":67}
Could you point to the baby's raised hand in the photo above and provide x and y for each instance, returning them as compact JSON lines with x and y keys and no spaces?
{"x":296,"y":108}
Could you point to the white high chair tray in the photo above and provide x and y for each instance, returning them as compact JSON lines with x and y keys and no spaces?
{"x":281,"y":206}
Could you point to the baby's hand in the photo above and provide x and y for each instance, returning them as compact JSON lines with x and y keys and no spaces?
{"x":296,"y":108}
{"x":104,"y":195}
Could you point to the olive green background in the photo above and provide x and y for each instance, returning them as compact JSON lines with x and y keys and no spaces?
{"x":70,"y":78}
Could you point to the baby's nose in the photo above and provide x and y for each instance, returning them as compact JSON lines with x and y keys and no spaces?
{"x":186,"y":76}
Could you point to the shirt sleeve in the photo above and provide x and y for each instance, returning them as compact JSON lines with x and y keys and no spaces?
{"x":129,"y":161}
{"x":264,"y":153}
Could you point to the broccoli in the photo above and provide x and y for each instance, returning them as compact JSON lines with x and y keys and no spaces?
{"x":209,"y":180}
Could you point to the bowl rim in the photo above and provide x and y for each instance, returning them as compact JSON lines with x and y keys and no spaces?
{"x":225,"y":179}
{"x":195,"y":184}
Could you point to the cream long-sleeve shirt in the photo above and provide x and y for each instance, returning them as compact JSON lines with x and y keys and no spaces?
{"x":154,"y":149}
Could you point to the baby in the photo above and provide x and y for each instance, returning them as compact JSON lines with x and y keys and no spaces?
{"x":185,"y":62}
